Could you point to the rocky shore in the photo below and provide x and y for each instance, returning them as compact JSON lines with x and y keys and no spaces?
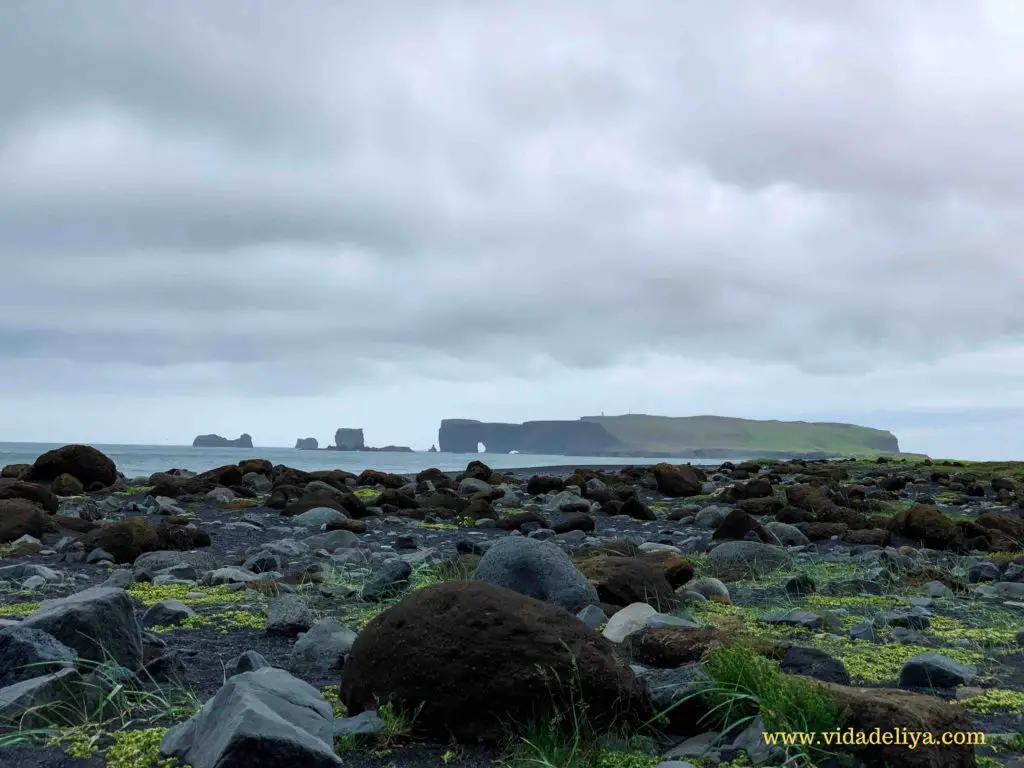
{"x":612,"y":617}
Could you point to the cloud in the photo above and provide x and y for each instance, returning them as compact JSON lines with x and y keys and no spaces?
{"x":242,"y":199}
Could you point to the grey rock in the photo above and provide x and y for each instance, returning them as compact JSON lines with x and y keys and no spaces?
{"x":594,"y":617}
{"x":122,"y":578}
{"x":288,"y":615}
{"x":813,"y":662}
{"x":933,"y":670}
{"x":248,"y":661}
{"x":567,"y":501}
{"x":27,"y":653}
{"x":908,"y":619}
{"x":750,"y":556}
{"x":25,"y":703}
{"x":148,"y":564}
{"x":266,"y":717}
{"x":99,"y":623}
{"x":628,"y":620}
{"x":322,"y":650}
{"x":364,"y":724}
{"x":389,"y":579}
{"x":787,"y":535}
{"x":937,"y":589}
{"x":229,"y":575}
{"x":317,"y":517}
{"x":711,"y":517}
{"x":709,"y":587}
{"x":166,"y":613}
{"x":332,"y":541}
{"x":220,"y":495}
{"x":538,"y":569}
{"x":471,"y":485}
{"x":263,"y":562}
{"x":795,"y":618}
{"x":984,"y":570}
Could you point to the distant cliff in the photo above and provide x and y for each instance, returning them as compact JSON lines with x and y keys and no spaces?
{"x":216,"y":441}
{"x":566,"y":438}
{"x":349,"y":440}
{"x":307,"y":444}
{"x":669,"y":437}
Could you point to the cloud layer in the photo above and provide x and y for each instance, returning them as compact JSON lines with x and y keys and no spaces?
{"x":246,"y":203}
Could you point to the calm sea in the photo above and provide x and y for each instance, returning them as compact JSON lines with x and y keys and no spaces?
{"x":138,"y":460}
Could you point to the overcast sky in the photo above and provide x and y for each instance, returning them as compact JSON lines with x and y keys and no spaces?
{"x":282,"y":218}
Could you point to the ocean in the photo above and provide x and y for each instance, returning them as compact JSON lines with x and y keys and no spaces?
{"x":144,"y":460}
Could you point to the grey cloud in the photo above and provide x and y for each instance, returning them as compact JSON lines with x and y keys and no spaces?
{"x":456,"y":188}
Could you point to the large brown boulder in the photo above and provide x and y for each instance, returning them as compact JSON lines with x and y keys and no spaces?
{"x":350,"y":504}
{"x":33,"y":492}
{"x":622,"y":581}
{"x":807,"y":497}
{"x":259,"y":466}
{"x":671,"y":647}
{"x":14,"y":470}
{"x":84,"y":462}
{"x":130,"y":538}
{"x":677,"y":481}
{"x":227,"y":475}
{"x":929,"y":526}
{"x":291,"y":476}
{"x":385,"y":479}
{"x":890,"y":710}
{"x":676,"y":569}
{"x":472,"y":659}
{"x":19,"y":517}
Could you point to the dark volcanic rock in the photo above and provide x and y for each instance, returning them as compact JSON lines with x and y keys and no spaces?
{"x":677,"y":481}
{"x":622,"y":581}
{"x":31,"y":492}
{"x":126,"y":540}
{"x":19,"y":518}
{"x":466,"y":632}
{"x":307,"y":444}
{"x":928,"y":525}
{"x":83,"y":462}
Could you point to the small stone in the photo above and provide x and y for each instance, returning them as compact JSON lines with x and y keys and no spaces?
{"x":795,"y":618}
{"x":166,"y":613}
{"x":288,"y":615}
{"x":594,"y":617}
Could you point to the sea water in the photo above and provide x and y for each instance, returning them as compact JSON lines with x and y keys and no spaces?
{"x":144,"y":460}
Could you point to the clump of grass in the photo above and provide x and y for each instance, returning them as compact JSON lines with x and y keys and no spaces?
{"x":397,"y":728}
{"x":111,"y":710}
{"x":746,"y":683}
{"x":189,"y":594}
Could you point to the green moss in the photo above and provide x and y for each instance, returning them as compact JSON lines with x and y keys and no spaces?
{"x":330,"y":695}
{"x":872,"y":662}
{"x":138,"y":749}
{"x":611,"y":759}
{"x":18,"y":609}
{"x":952,"y":630}
{"x":222,"y":621}
{"x":185,"y":593}
{"x":995,"y":700}
{"x":368,"y":494}
{"x":131,"y":490}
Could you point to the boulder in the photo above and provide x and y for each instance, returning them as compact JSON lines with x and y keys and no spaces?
{"x":890,"y":710}
{"x":321,"y":651}
{"x":33,"y":492}
{"x":929,"y":526}
{"x":540,"y":484}
{"x":22,"y":518}
{"x":288,"y":615}
{"x":67,"y":485}
{"x":670,"y":647}
{"x":527,"y":654}
{"x":26,"y":653}
{"x":99,"y":623}
{"x":126,"y":540}
{"x":27,"y":703}
{"x":14,"y":470}
{"x":622,"y":581}
{"x":746,"y":557}
{"x":537,"y":569}
{"x":262,"y":718}
{"x":677,"y":480}
{"x":88,"y":465}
